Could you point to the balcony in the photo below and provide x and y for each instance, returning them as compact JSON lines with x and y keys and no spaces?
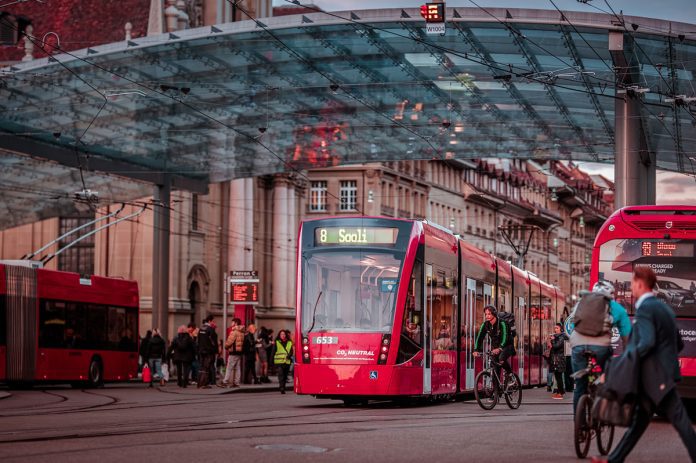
{"x":404,"y":214}
{"x":387,"y":210}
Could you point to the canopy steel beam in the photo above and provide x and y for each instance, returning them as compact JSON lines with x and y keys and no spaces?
{"x":69,"y":157}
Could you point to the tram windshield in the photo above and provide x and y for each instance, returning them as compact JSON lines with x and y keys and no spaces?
{"x":350,"y":290}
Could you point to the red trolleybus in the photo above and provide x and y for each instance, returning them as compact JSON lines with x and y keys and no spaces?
{"x":61,"y":327}
{"x":379,"y":312}
{"x":663,"y":238}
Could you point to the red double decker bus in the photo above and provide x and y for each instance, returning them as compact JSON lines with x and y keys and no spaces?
{"x":61,"y":327}
{"x":388,"y":308}
{"x":663,"y":238}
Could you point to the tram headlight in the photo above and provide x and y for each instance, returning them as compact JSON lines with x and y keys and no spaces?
{"x":383,"y":357}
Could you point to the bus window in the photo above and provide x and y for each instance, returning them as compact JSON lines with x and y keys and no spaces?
{"x":52,"y":324}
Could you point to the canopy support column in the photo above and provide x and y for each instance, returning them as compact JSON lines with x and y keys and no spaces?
{"x":160,"y":259}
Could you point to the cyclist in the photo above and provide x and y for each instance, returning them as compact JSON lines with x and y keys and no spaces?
{"x":600,"y":345}
{"x":501,"y":340}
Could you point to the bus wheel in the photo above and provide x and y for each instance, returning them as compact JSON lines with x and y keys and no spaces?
{"x":95,"y":373}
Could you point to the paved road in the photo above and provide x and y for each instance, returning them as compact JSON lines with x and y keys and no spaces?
{"x":132,"y":423}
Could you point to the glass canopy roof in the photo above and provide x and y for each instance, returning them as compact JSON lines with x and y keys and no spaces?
{"x":295,"y":92}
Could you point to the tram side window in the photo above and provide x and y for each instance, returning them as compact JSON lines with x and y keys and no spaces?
{"x":3,"y":325}
{"x":412,"y":328}
{"x":443,"y":313}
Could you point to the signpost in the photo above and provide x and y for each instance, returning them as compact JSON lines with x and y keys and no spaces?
{"x":240,"y":287}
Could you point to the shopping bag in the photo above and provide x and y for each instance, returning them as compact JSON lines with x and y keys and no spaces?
{"x":147,"y":376}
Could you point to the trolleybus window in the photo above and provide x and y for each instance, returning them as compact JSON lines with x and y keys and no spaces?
{"x":672,"y":261}
{"x":65,"y":325}
{"x":349,"y":290}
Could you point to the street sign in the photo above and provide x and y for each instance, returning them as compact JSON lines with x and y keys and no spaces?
{"x":244,"y":274}
{"x":435,"y":28}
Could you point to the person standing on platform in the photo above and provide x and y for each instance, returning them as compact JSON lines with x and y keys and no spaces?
{"x":263,"y":342}
{"x":234,"y":345}
{"x":282,"y":357}
{"x":207,"y":348}
{"x":249,"y":350}
{"x":156,"y":352}
{"x":657,"y":342}
{"x":182,"y":352}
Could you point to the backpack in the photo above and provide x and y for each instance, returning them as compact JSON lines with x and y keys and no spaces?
{"x":509,"y":319}
{"x":591,"y":315}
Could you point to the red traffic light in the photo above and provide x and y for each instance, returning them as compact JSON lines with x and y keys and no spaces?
{"x":433,"y":12}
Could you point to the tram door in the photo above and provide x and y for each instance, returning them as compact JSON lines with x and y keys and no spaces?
{"x":470,"y":327}
{"x":521,"y":337}
{"x":427,"y":324}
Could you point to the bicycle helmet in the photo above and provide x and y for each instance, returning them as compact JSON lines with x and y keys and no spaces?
{"x":491,"y":309}
{"x":604,"y":287}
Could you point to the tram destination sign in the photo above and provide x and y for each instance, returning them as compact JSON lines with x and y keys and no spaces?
{"x":355,"y":236}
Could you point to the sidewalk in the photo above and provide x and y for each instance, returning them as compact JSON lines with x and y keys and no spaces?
{"x":5,"y":394}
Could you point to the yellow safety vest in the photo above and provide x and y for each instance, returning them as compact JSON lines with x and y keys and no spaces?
{"x":282,"y":354}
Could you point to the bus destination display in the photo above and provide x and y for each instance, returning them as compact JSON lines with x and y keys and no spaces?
{"x":666,"y":249}
{"x":355,"y":236}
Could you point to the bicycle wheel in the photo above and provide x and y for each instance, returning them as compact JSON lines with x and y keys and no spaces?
{"x":583,"y":431}
{"x":485,"y":391}
{"x":513,"y":391}
{"x":605,"y":437}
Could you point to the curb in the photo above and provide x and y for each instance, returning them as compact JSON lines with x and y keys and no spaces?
{"x":5,"y":395}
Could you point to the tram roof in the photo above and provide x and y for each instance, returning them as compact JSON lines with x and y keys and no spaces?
{"x":293,"y":92}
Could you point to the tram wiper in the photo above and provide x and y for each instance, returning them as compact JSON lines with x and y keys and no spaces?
{"x":314,"y":314}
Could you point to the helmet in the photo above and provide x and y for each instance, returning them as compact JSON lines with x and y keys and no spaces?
{"x":491,"y":309}
{"x":604,"y":287}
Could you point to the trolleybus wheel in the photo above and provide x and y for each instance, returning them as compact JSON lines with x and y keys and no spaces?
{"x":583,"y":426}
{"x":484,"y":390}
{"x":94,"y":376}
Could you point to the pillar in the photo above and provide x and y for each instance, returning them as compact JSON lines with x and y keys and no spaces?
{"x":280,"y":244}
{"x":160,"y":259}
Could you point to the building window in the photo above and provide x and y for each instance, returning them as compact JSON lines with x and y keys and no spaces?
{"x":194,"y":212}
{"x":79,"y":258}
{"x":8,"y":30}
{"x":317,"y":197}
{"x":349,"y":195}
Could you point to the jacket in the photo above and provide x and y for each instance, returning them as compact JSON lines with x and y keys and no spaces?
{"x":282,"y":352}
{"x":182,"y":349}
{"x":207,"y":340}
{"x":557,"y":358}
{"x":235,"y":341}
{"x":499,"y":333}
{"x":156,"y":348}
{"x":657,"y":341}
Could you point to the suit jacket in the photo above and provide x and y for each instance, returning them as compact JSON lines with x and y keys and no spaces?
{"x":656,"y":339}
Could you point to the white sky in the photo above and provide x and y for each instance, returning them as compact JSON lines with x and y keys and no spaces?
{"x":671,"y":188}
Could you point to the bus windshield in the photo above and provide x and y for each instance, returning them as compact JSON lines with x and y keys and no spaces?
{"x":673,"y":263}
{"x":349,"y":290}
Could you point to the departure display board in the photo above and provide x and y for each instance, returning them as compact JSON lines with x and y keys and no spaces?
{"x":666,"y":249}
{"x":244,"y":293}
{"x":355,"y":236}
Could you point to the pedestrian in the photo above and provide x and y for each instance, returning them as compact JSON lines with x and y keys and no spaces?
{"x":234,"y":344}
{"x":195,"y":365}
{"x":182,"y":352}
{"x":269,"y":352}
{"x":282,"y":357}
{"x":263,"y":342}
{"x":156,"y":353}
{"x":207,"y":347}
{"x":657,"y":343}
{"x":556,"y":343}
{"x":144,"y":345}
{"x":212,"y":372}
{"x":249,"y":351}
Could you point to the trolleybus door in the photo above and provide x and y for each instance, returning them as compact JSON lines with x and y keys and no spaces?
{"x":427,"y":324}
{"x":470,"y":327}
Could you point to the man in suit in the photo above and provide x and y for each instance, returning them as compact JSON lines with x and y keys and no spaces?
{"x":657,"y":342}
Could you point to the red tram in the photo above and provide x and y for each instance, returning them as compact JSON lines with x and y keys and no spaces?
{"x":391,"y":308}
{"x":61,"y":327}
{"x":663,"y":238}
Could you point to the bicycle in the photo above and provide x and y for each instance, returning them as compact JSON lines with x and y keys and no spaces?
{"x":488,"y":390}
{"x":586,"y":428}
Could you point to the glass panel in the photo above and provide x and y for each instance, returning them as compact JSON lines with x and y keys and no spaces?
{"x":350,"y":291}
{"x":51,"y":324}
{"x":444,"y":331}
{"x":412,"y":328}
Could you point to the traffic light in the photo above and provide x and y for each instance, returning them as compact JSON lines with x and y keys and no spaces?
{"x":433,"y":12}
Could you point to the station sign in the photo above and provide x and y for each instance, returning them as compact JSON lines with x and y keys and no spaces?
{"x":244,"y":287}
{"x":434,"y":15}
